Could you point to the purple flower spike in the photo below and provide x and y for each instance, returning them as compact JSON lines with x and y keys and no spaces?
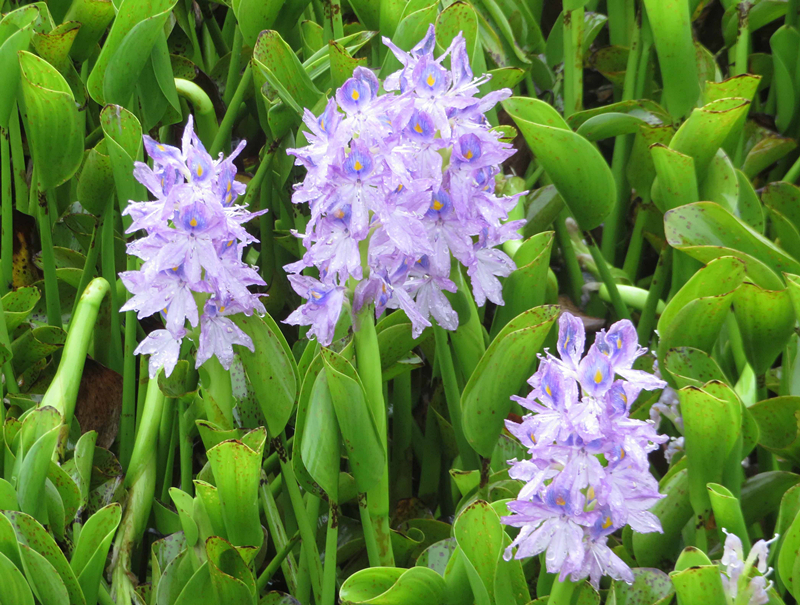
{"x":398,"y":186}
{"x":571,"y":502}
{"x":193,"y":248}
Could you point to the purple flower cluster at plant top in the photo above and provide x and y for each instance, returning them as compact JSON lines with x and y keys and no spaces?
{"x":588,"y":475}
{"x":413,"y":172}
{"x":192,"y":253}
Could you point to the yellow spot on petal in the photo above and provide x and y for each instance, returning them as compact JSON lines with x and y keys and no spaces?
{"x":175,"y":269}
{"x":533,"y":438}
{"x":468,"y":155}
{"x":357,"y":165}
{"x":222,"y":308}
{"x":316,"y":294}
{"x":199,"y":171}
{"x":560,"y":501}
{"x":548,"y":391}
{"x":164,"y":310}
{"x":437,"y":205}
{"x":607,"y":523}
{"x":431,"y":80}
{"x":230,"y":243}
{"x":322,"y":124}
{"x":160,"y":147}
{"x":229,"y":186}
{"x":193,"y":222}
{"x":621,"y":454}
{"x":228,"y":198}
{"x":598,"y":377}
{"x":418,"y":128}
{"x":399,"y":188}
{"x":355,"y":95}
{"x":619,"y":343}
{"x":590,"y":493}
{"x":338,"y":213}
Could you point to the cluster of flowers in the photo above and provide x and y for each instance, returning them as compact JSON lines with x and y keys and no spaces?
{"x":740,"y":585}
{"x":588,"y":475}
{"x":406,"y":180}
{"x":192,"y":253}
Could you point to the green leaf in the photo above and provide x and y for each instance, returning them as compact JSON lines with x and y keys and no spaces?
{"x":361,"y":439}
{"x":702,"y":225}
{"x":577,"y":169}
{"x":53,"y":124}
{"x":727,"y":513}
{"x":37,"y":549}
{"x":237,"y":472}
{"x":702,"y":584}
{"x":232,"y":580}
{"x":766,"y":152}
{"x":712,"y":419}
{"x":18,"y":305}
{"x":785,"y":43}
{"x":762,"y":494}
{"x":36,"y":344}
{"x":766,"y":321}
{"x":674,"y":511}
{"x":788,"y":555}
{"x":320,"y":449}
{"x":33,"y":473}
{"x":649,"y":586}
{"x":94,"y":17}
{"x":127,"y":49}
{"x":437,"y":555}
{"x":89,"y":557}
{"x":525,"y":288}
{"x":393,"y":586}
{"x":706,"y":129}
{"x":342,"y":64}
{"x":676,"y":184}
{"x":696,"y":313}
{"x":96,"y":180}
{"x":480,"y":536}
{"x":15,"y":588}
{"x":502,"y":370}
{"x":43,"y":577}
{"x":277,"y":70}
{"x":123,"y":136}
{"x":16,"y":29}
{"x":672,"y":30}
{"x":777,"y":420}
{"x":271,"y":369}
{"x":692,"y":367}
{"x":255,"y":16}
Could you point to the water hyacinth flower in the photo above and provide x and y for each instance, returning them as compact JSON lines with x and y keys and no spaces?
{"x":399,"y":183}
{"x":191,"y":253}
{"x":571,"y":501}
{"x":740,"y":587}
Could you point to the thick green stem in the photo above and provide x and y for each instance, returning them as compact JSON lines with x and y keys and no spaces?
{"x":334,"y":10}
{"x":232,"y":81}
{"x":402,"y":421}
{"x":368,"y":358}
{"x":793,"y":172}
{"x":620,"y":307}
{"x":109,"y":266}
{"x":204,"y":116}
{"x":8,"y":368}
{"x":444,"y":359}
{"x":127,"y":427}
{"x":7,"y":237}
{"x":373,"y":554}
{"x":277,"y":561}
{"x":185,"y":447}
{"x":619,"y":161}
{"x":634,"y":254}
{"x":63,"y":390}
{"x":224,"y":133}
{"x":573,"y":267}
{"x":561,"y":594}
{"x":278,"y":534}
{"x":331,"y":539}
{"x":255,"y":183}
{"x":146,"y":445}
{"x":573,"y":61}
{"x":52,"y":298}
{"x":648,"y":319}
{"x":18,"y":161}
{"x":743,"y":41}
{"x":791,"y":12}
{"x":306,"y":531}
